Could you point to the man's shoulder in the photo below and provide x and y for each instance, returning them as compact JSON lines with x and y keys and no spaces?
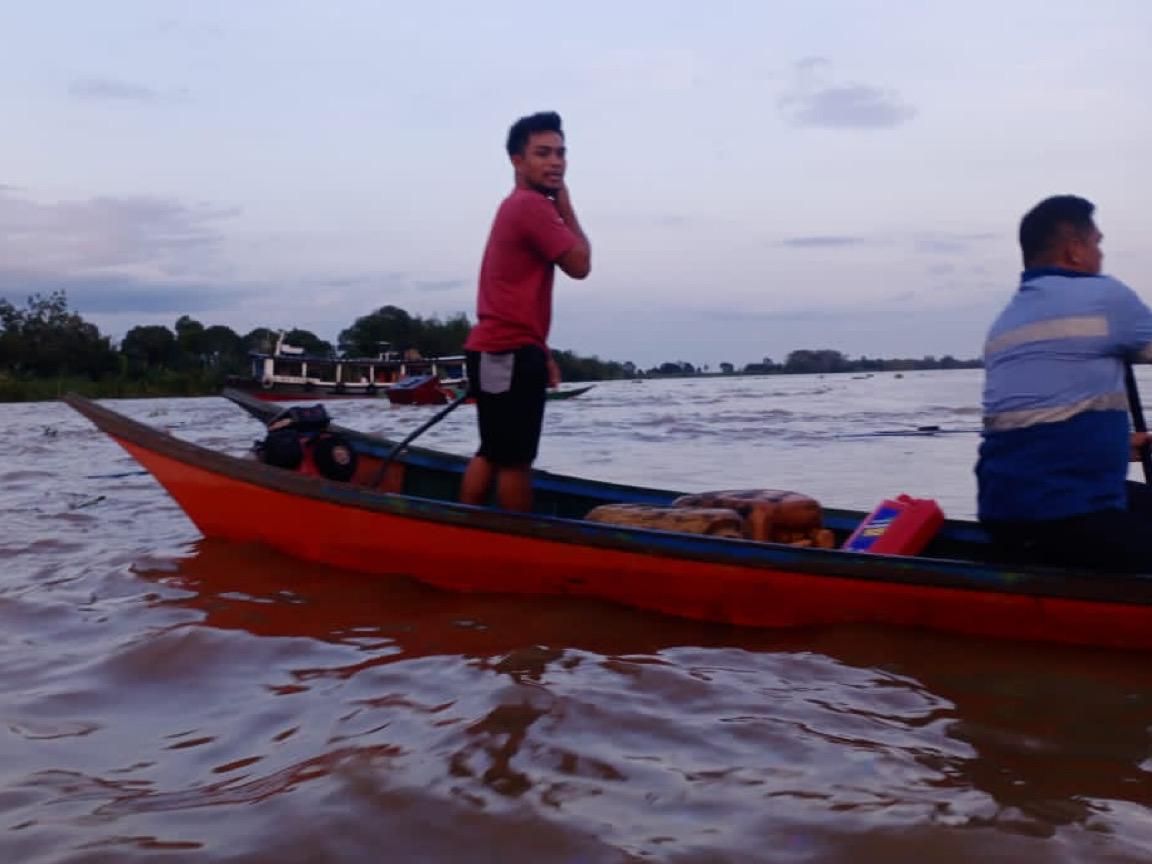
{"x":527,"y":202}
{"x":1111,"y":283}
{"x":527,"y":213}
{"x":1059,"y":278}
{"x":1091,"y":292}
{"x":1111,"y":292}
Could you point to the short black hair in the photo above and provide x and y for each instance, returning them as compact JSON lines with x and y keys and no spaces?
{"x":525,"y":127}
{"x":1041,"y":226}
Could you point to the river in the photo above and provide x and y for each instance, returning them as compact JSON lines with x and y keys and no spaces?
{"x":172,"y":699}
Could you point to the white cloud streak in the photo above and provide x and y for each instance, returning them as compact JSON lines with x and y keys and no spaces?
{"x":112,"y":91}
{"x":812,"y":102}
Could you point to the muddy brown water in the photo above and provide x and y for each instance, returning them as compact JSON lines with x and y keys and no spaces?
{"x":168,"y":698}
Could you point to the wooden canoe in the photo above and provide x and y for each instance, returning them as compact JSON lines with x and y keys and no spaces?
{"x":413,"y":526}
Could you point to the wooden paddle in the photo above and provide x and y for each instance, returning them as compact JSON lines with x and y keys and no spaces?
{"x":432,"y":421}
{"x":1138,"y":423}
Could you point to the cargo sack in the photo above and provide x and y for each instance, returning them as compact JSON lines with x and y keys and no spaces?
{"x":713,"y":521}
{"x":770,"y":515}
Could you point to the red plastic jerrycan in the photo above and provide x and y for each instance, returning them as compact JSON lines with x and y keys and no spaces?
{"x":898,"y":526}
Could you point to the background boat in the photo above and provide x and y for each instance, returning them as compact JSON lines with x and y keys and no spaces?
{"x":288,"y":374}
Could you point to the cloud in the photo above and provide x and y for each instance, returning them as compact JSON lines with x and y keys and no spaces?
{"x":117,"y":294}
{"x":117,"y":255}
{"x":122,"y":261}
{"x":854,"y":106}
{"x":937,"y":243}
{"x":814,"y":102}
{"x":824,"y":241}
{"x":145,"y":236}
{"x":943,"y":243}
{"x":778,"y":315}
{"x":110,"y":90}
{"x":440,"y":284}
{"x":186,"y":29}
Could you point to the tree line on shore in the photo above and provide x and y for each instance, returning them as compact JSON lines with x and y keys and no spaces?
{"x":46,"y":349}
{"x":808,"y":361}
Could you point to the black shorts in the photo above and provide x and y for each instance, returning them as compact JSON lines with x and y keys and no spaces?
{"x":1115,"y":540}
{"x":509,"y":387}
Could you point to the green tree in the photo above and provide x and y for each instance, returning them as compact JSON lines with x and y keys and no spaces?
{"x":222,"y":348}
{"x":573,"y":367}
{"x":11,"y":336}
{"x":46,"y":339}
{"x":806,"y":360}
{"x":189,"y":340}
{"x":391,"y":328}
{"x":435,"y":338}
{"x":310,"y":342}
{"x":149,"y":347}
{"x":261,"y":340}
{"x":387,"y":327}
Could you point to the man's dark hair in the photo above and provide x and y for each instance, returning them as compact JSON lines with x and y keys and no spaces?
{"x":1042,"y":226}
{"x":525,"y":127}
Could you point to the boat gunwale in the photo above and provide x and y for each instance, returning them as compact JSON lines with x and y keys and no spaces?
{"x":922,"y":572}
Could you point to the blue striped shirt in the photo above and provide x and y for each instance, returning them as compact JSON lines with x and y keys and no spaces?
{"x":1055,"y":411}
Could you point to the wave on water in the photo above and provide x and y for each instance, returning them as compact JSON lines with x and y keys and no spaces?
{"x":203,"y":701}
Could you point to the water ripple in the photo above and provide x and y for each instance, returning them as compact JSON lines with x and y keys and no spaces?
{"x":169,"y":697}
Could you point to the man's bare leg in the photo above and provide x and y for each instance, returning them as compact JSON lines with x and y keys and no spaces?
{"x":476,"y":482}
{"x":514,"y":488}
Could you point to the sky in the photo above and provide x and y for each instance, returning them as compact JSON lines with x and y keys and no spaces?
{"x":754,"y":177}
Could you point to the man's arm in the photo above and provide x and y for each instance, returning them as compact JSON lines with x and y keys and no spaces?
{"x":577,"y":261}
{"x":1130,"y":321}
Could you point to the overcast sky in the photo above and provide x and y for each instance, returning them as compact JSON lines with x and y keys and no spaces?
{"x":754,"y":176}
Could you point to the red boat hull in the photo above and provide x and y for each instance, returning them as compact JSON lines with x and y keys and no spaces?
{"x":477,"y":558}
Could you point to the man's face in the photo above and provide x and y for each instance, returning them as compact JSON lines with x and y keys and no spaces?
{"x":542,"y":164}
{"x":1084,"y":250}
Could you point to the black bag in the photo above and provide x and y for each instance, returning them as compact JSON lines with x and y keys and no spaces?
{"x":302,"y":418}
{"x":302,"y":431}
{"x":282,"y":448}
{"x":333,"y":456}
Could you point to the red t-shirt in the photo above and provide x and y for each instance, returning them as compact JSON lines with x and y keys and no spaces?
{"x":514,"y":303}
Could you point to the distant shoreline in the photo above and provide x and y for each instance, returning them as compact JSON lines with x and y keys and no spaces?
{"x":898,"y":373}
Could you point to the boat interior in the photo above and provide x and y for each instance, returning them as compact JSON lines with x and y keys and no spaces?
{"x":435,"y":475}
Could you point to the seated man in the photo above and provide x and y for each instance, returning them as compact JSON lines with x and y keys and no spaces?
{"x":1056,"y":442}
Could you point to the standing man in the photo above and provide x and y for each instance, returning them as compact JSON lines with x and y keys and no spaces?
{"x":1054,"y":458}
{"x":509,"y":364}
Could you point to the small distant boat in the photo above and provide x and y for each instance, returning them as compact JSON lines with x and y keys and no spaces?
{"x":430,"y":390}
{"x":570,"y":392}
{"x":423,"y":390}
